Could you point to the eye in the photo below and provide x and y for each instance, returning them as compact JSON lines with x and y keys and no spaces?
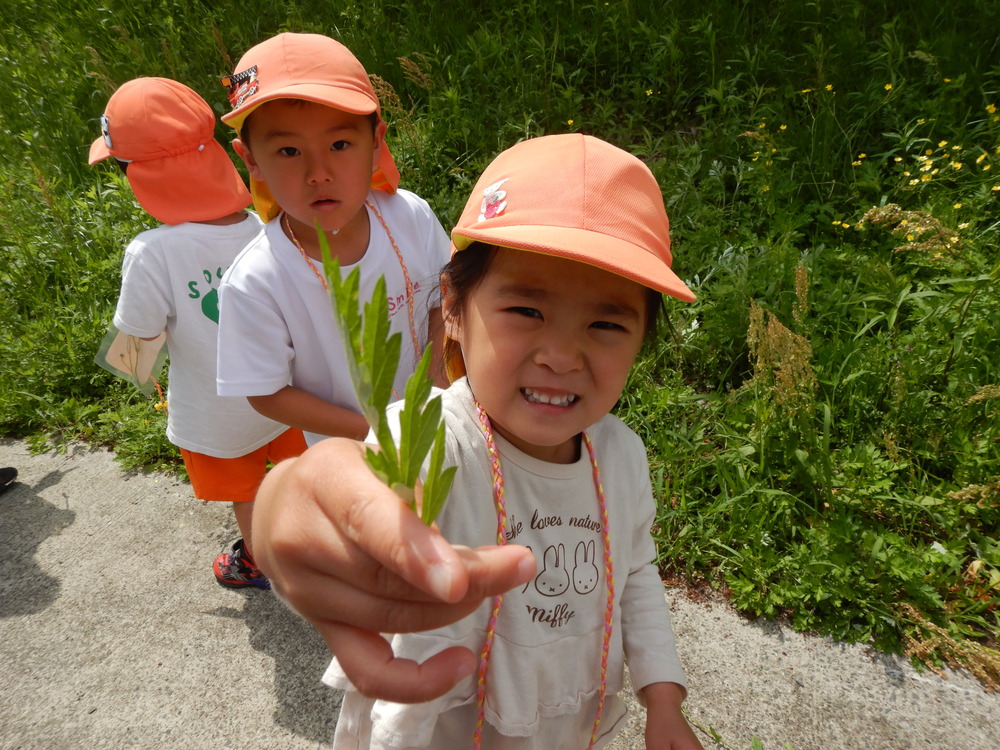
{"x":288,"y":151}
{"x":527,"y":312}
{"x":339,"y":145}
{"x":607,"y":325}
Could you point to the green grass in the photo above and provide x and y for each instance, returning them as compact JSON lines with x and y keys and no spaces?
{"x":823,"y":423}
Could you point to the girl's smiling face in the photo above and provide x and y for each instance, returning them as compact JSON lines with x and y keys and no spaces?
{"x":547,"y":344}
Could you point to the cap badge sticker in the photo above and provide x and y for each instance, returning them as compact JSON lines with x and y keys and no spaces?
{"x":494,"y":200}
{"x":105,"y":131}
{"x":241,"y":85}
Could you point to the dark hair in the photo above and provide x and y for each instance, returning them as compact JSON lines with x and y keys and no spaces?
{"x":468,"y":267}
{"x":245,"y":127}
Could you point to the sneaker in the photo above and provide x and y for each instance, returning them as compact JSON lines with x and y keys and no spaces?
{"x":235,"y":569}
{"x":7,"y":477}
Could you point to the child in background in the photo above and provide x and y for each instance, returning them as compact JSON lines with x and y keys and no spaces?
{"x":558,"y":265}
{"x":312,"y":138}
{"x":161,"y":133}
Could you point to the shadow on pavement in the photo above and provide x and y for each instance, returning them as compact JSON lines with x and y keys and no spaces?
{"x":26,"y":520}
{"x":306,"y":706}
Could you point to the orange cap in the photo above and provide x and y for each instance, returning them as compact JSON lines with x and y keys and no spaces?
{"x":577,"y":197}
{"x":312,"y":67}
{"x":166,"y":133}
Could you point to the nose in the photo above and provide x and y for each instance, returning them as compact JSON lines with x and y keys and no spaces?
{"x":317,"y":171}
{"x":560,"y":352}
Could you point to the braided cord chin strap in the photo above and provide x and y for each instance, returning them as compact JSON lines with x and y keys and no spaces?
{"x":498,"y":499}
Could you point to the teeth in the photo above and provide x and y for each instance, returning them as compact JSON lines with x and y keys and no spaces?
{"x":544,"y":398}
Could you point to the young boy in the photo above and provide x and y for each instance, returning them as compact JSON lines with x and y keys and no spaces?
{"x":161,"y":133}
{"x":311,"y":135}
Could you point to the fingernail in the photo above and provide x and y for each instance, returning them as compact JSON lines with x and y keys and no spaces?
{"x":441,"y":580}
{"x":526,"y":569}
{"x":465,"y":669}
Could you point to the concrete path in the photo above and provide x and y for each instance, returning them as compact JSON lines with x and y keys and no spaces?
{"x":114,"y":634}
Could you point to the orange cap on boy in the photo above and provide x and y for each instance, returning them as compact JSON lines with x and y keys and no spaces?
{"x":311,"y":67}
{"x":165,"y":132}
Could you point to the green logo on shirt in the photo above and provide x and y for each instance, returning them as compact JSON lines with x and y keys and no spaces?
{"x":210,"y":299}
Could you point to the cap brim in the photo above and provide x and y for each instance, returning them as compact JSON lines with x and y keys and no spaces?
{"x":99,"y":151}
{"x":355,"y":102}
{"x":606,"y":252}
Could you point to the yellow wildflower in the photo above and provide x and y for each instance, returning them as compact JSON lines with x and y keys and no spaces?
{"x":888,"y":87}
{"x":991,"y":108}
{"x":980,"y":158}
{"x":649,"y":92}
{"x":805,"y":91}
{"x":963,"y":225}
{"x":942,"y":144}
{"x":829,"y":87}
{"x":782,"y":127}
{"x":569,"y":122}
{"x":897,"y":158}
{"x":957,"y":205}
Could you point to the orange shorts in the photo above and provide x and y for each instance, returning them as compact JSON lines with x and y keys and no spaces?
{"x":236,"y":480}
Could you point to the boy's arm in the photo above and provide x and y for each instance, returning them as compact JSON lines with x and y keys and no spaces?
{"x":666,"y":727}
{"x":298,"y":408}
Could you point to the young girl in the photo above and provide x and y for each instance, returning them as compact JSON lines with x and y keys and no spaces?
{"x":558,"y":265}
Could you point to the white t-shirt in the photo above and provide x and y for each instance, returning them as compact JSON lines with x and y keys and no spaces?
{"x":170,"y":280}
{"x":277,"y":326}
{"x":543,"y":676}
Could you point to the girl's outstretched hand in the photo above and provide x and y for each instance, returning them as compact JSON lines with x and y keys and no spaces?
{"x":349,"y":556}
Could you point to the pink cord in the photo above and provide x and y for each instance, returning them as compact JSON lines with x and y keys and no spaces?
{"x":498,"y":499}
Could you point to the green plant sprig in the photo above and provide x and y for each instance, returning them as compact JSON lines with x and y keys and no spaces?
{"x":373,"y":357}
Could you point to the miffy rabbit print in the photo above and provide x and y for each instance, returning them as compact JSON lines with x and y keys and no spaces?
{"x":585,"y":572}
{"x":554,"y":578}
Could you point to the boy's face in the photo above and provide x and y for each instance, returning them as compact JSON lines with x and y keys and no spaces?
{"x":317,"y":162}
{"x":548,"y":344}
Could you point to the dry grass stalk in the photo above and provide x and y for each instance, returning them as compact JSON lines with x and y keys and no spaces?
{"x":983,"y":662}
{"x":415,"y":69}
{"x":984,"y":495}
{"x":781,"y":361}
{"x":920,"y":231}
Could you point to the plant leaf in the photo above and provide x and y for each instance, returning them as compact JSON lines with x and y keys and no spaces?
{"x":373,"y":354}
